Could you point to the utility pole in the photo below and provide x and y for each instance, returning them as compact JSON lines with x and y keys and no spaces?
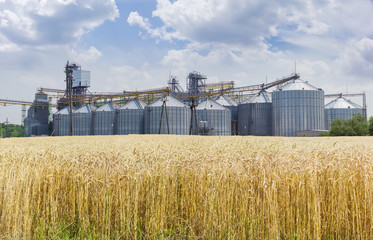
{"x":23,"y":116}
{"x":6,"y":127}
{"x":69,"y":81}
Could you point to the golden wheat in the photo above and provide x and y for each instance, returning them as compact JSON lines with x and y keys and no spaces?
{"x":141,"y":187}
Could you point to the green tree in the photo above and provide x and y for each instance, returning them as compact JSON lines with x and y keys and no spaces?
{"x":356,"y":126}
{"x":371,"y":126}
{"x":11,"y":130}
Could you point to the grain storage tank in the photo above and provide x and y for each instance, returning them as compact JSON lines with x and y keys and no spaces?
{"x":214,"y":119}
{"x":36,"y":123}
{"x":178,"y":116}
{"x":61,"y":122}
{"x":82,"y":120}
{"x":227,"y":102}
{"x":255,"y":115}
{"x":297,"y":106}
{"x":130,"y":118}
{"x":104,"y":120}
{"x":341,"y":108}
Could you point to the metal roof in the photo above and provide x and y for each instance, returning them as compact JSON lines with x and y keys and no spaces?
{"x":171,"y":101}
{"x":210,"y":105}
{"x":133,"y":104}
{"x":260,"y":97}
{"x":65,"y":111}
{"x":108,"y":107}
{"x":342,"y":102}
{"x":85,"y":109}
{"x":298,"y":84}
{"x":225,"y":101}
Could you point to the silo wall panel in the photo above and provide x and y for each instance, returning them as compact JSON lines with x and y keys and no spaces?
{"x":61,"y":125}
{"x":130,"y":121}
{"x":340,"y":113}
{"x":178,"y":120}
{"x":255,"y":119}
{"x":234,"y":119}
{"x":218,"y":121}
{"x":82,"y":124}
{"x":297,"y":110}
{"x":30,"y":126}
{"x":103,"y":123}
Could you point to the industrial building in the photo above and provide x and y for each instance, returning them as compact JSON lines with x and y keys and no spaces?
{"x":167,"y":115}
{"x":36,"y":122}
{"x":297,"y":106}
{"x":62,"y":122}
{"x":293,"y":107}
{"x":104,"y":119}
{"x":130,"y":118}
{"x":255,"y":115}
{"x":82,"y":119}
{"x":213,"y":118}
{"x":227,"y":102}
{"x":341,"y":108}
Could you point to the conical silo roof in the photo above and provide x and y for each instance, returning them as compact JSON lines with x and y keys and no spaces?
{"x":65,"y":111}
{"x":260,"y":97}
{"x":171,"y":101}
{"x":210,"y":105}
{"x":85,"y":109}
{"x":341,"y":102}
{"x":133,"y":104}
{"x":108,"y":107}
{"x":225,"y":101}
{"x":298,"y":84}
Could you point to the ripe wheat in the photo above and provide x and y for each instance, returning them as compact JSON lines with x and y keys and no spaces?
{"x":156,"y":187}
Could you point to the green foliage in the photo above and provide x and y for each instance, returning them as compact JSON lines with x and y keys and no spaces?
{"x":356,"y":126}
{"x":371,"y":126}
{"x":11,"y":130}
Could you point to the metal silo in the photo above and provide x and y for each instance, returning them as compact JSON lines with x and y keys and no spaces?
{"x":255,"y":115}
{"x":227,"y":102}
{"x":61,"y":122}
{"x":171,"y":108}
{"x":130,"y":118}
{"x":297,"y":106}
{"x":341,"y":108}
{"x":82,"y":120}
{"x":214,"y":119}
{"x":104,"y":120}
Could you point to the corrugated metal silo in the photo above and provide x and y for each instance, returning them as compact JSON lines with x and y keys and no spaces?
{"x":214,"y":118}
{"x":297,"y":106}
{"x":104,"y":120}
{"x":178,"y":117}
{"x":131,"y":118}
{"x":61,"y":122}
{"x":31,"y":127}
{"x":341,"y":108}
{"x":255,"y":115}
{"x":82,"y":120}
{"x":227,"y":102}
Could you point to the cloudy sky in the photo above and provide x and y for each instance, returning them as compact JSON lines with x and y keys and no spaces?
{"x":135,"y":44}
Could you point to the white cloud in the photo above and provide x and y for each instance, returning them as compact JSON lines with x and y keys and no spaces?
{"x":250,"y":23}
{"x":83,"y":57}
{"x":357,"y":59}
{"x":56,"y":22}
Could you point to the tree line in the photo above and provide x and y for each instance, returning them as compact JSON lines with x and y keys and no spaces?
{"x":356,"y":126}
{"x":11,"y":130}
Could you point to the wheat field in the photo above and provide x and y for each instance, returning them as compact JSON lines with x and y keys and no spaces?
{"x":186,"y":187}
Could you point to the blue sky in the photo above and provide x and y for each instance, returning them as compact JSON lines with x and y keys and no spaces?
{"x":134,"y":44}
